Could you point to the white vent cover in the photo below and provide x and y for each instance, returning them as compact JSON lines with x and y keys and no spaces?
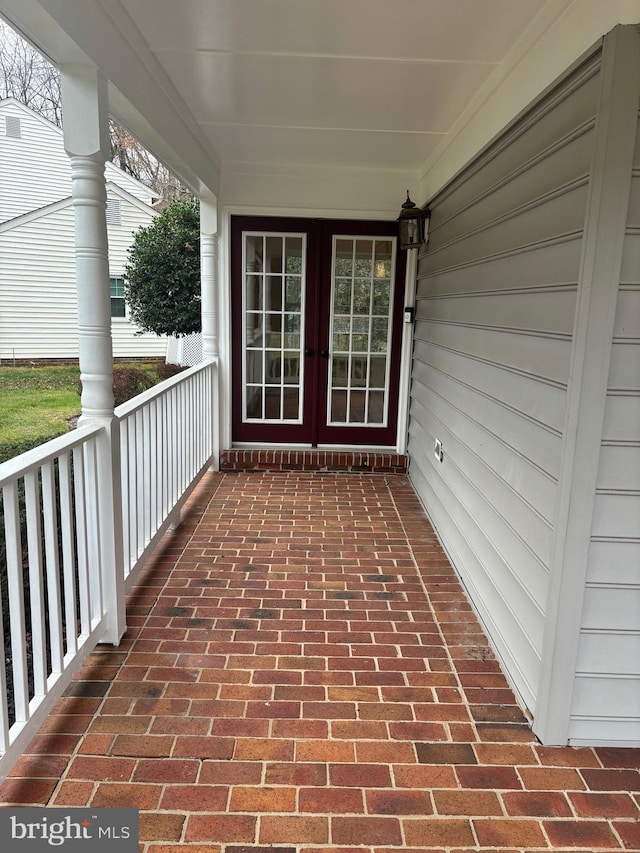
{"x":113,"y":211}
{"x":13,"y":126}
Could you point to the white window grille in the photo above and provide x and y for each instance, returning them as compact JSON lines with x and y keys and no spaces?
{"x":118,"y":305}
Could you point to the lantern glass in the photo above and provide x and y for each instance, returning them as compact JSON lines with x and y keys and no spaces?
{"x":411,"y":225}
{"x":411,"y":231}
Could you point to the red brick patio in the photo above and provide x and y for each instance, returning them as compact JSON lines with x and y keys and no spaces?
{"x":303,"y":672}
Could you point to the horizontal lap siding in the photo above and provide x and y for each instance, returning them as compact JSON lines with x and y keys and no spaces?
{"x":606,"y":703}
{"x":126,"y":344}
{"x":38,"y":301}
{"x":34,"y":169}
{"x":495,"y":312}
{"x":38,"y":304}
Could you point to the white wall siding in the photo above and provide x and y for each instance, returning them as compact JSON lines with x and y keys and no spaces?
{"x":606,"y":702}
{"x":493,"y":342}
{"x":472,"y":554}
{"x":35,"y":169}
{"x":126,"y":343}
{"x":38,"y":313}
{"x":127,"y":182}
{"x":132,"y":217}
{"x":38,"y":302}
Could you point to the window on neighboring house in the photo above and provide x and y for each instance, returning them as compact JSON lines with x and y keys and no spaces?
{"x":13,"y":127}
{"x":113,"y":211}
{"x":118,"y":307}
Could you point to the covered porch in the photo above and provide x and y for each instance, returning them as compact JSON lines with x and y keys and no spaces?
{"x":507,"y":344}
{"x":302,"y":672}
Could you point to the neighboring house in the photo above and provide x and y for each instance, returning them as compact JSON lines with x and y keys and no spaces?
{"x":38,"y":301}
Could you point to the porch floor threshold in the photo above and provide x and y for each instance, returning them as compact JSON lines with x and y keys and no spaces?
{"x":329,"y":461}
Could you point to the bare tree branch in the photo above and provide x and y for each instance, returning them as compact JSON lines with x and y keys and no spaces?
{"x":27,"y":76}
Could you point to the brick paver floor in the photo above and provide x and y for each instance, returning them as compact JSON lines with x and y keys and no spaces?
{"x":304,"y":673}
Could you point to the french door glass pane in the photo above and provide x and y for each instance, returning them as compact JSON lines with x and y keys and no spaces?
{"x":273,"y":306}
{"x":361,"y":300}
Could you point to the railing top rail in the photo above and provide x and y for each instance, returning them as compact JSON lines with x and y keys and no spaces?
{"x":20,"y":465}
{"x":140,"y":400}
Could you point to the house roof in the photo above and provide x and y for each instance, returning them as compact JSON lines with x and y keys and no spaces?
{"x":112,"y":190}
{"x":237,"y":92}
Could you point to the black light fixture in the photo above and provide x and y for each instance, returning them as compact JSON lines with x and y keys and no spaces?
{"x":412,"y":221}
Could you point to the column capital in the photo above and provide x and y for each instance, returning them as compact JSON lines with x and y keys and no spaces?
{"x":86,"y":112}
{"x":208,"y":214}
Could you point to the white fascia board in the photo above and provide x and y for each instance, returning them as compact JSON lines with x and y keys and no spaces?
{"x":38,"y":213}
{"x":560,"y":34}
{"x":55,"y":206}
{"x":15,"y":103}
{"x":316,"y":191}
{"x":154,"y":141}
{"x":116,"y":189}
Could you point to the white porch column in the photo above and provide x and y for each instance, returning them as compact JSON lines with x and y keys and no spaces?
{"x":209,"y":277}
{"x":209,"y":296}
{"x":86,"y":139}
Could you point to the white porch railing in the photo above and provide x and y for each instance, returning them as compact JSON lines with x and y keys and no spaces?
{"x":167,"y":441}
{"x":56,"y":578}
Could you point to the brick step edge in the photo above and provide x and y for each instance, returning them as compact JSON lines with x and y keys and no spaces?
{"x":313,"y":460}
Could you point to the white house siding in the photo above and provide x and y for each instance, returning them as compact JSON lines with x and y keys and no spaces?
{"x":38,"y":302}
{"x":35,"y":169}
{"x":126,"y":343}
{"x":493,"y":337}
{"x":606,"y":700}
{"x":38,"y":313}
{"x":126,"y":182}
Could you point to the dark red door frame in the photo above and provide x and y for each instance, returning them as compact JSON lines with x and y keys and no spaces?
{"x":313,"y":430}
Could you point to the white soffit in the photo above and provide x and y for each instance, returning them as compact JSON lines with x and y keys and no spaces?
{"x":351,"y":83}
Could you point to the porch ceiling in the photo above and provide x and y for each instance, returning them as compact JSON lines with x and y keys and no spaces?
{"x":326,"y":82}
{"x":297,"y":83}
{"x":318,"y":104}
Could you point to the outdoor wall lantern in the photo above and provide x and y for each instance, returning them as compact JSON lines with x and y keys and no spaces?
{"x":412,"y":227}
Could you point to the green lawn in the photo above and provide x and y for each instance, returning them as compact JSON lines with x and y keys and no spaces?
{"x":36,"y":403}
